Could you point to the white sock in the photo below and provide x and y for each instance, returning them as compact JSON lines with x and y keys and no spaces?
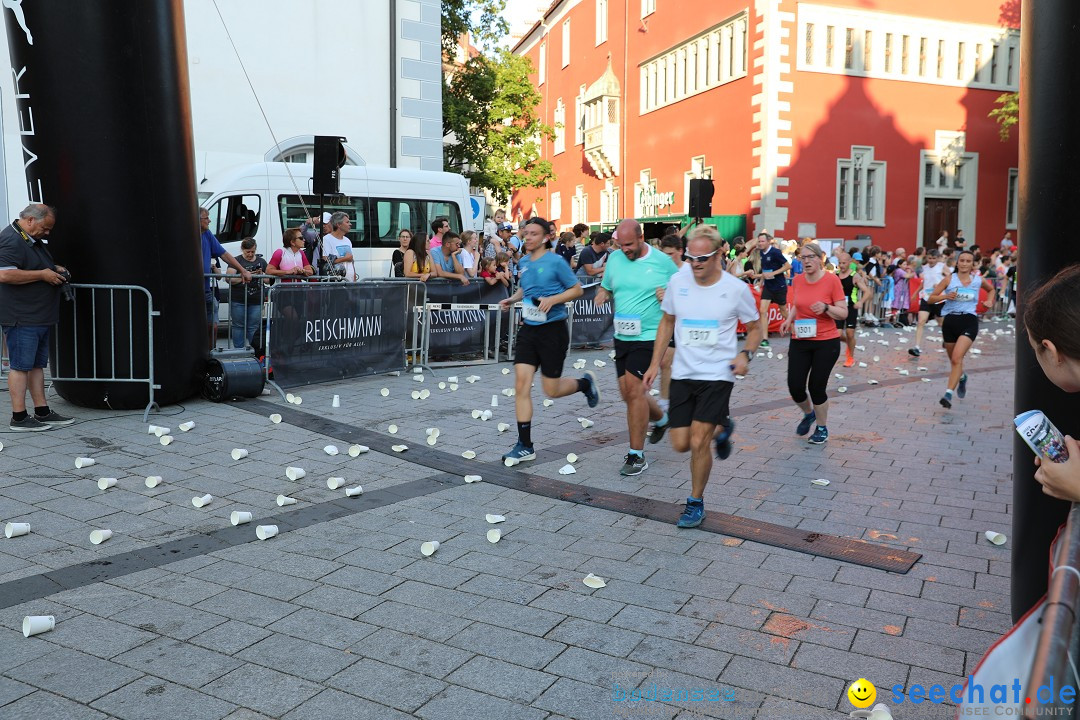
{"x":663,"y":403}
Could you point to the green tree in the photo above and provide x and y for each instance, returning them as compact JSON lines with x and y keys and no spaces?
{"x":1007,"y":113}
{"x":482,"y":19}
{"x":489,"y":110}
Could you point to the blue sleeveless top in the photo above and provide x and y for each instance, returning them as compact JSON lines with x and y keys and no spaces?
{"x":967,"y":299}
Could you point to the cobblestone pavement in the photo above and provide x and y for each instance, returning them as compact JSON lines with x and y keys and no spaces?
{"x":340,"y":616}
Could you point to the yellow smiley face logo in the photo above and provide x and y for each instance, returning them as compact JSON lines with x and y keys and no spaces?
{"x":862,"y":693}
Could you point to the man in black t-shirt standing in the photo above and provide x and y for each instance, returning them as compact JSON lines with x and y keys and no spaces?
{"x":590,"y":262}
{"x":774,"y":267}
{"x":29,"y":307}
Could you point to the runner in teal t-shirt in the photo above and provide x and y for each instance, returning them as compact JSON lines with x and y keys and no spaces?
{"x":634,"y":274}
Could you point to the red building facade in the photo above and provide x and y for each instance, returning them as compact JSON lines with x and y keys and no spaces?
{"x":825,"y":120}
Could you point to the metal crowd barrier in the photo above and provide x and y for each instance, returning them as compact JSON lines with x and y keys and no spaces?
{"x":1059,"y":638}
{"x":415,"y":339}
{"x":490,"y":354}
{"x":228,"y":341}
{"x":106,"y":371}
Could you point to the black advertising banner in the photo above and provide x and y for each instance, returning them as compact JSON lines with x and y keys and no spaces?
{"x":591,"y":324}
{"x":461,"y":331}
{"x":330,"y":331}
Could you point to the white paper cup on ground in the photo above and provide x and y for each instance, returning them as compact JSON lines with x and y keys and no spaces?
{"x":494,"y":401}
{"x":995,"y":537}
{"x":476,"y":414}
{"x":283,"y":500}
{"x":162,"y":431}
{"x":202,"y":500}
{"x":453,"y":387}
{"x":239,"y":453}
{"x":506,"y":371}
{"x":83,"y":462}
{"x":494,"y":519}
{"x":452,"y":379}
{"x":336,"y":402}
{"x":486,"y":415}
{"x":152,"y":430}
{"x":819,"y":481}
{"x":239,"y":517}
{"x":417,"y":371}
{"x":415,"y":394}
{"x":265,"y":532}
{"x":418,"y":378}
{"x":99,"y":536}
{"x":494,"y":535}
{"x":433,"y":432}
{"x":586,"y":423}
{"x":473,"y":478}
{"x":354,"y":491}
{"x":15,"y":529}
{"x":385,"y":392}
{"x":335,"y":482}
{"x":432,"y":439}
{"x":548,"y":402}
{"x":428,"y":548}
{"x":571,"y":458}
{"x":357,"y":450}
{"x":37,"y":624}
{"x":295,"y":473}
{"x":508,"y":392}
{"x":472,"y":378}
{"x":469,"y":454}
{"x":392,"y":429}
{"x":425,"y":394}
{"x":290,"y":398}
{"x":399,"y":448}
{"x":593,"y":581}
{"x":187,"y":426}
{"x":106,"y":483}
{"x":166,"y":440}
{"x":275,"y":418}
{"x":330,"y":450}
{"x":510,"y":462}
{"x":442,"y":385}
{"x":152,"y":481}
{"x":503,"y":427}
{"x":567,"y":469}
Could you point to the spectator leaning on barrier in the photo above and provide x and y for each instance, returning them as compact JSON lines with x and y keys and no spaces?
{"x":245,"y":299}
{"x":289,"y":262}
{"x":30,"y":284}
{"x":469,"y":255}
{"x":445,"y":263}
{"x":211,"y":248}
{"x":567,"y":247}
{"x":591,"y":261}
{"x":417,"y":263}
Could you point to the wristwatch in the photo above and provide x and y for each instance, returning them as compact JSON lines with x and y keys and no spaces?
{"x":749,"y":355}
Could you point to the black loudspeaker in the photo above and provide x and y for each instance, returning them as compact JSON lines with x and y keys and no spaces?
{"x":701,"y":192}
{"x":233,"y":378}
{"x":329,"y":157}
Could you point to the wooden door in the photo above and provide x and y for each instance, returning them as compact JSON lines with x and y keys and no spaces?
{"x":939,"y":214}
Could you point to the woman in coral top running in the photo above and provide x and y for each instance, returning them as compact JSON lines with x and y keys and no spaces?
{"x":819,"y":301}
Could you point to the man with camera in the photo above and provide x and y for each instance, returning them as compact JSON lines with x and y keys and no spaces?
{"x":30,"y":289}
{"x":337,"y":256}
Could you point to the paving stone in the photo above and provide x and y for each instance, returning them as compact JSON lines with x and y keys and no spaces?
{"x":428,"y":624}
{"x":386,"y":684}
{"x":275,"y":584}
{"x":339,"y":706}
{"x":166,"y":618}
{"x":373,"y":583}
{"x":10,"y":690}
{"x":848,"y":665}
{"x":267,"y":691}
{"x":178,"y":662}
{"x":509,"y":645}
{"x":502,"y":679}
{"x":577,"y":605}
{"x":455,"y":703}
{"x":230,"y":637}
{"x":412,"y":653}
{"x":150,"y":698}
{"x":780,"y":681}
{"x":423,"y":595}
{"x":247,"y":607}
{"x":579,"y":700}
{"x":698,"y":697}
{"x":41,"y":704}
{"x":98,"y":636}
{"x":909,"y":651}
{"x":712,"y":610}
{"x":594,"y":668}
{"x":681,"y":657}
{"x":503,"y":589}
{"x":515,"y":616}
{"x":75,"y":675}
{"x":595,"y":636}
{"x":337,"y":601}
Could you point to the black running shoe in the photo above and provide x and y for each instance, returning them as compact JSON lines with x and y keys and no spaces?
{"x":961,"y":389}
{"x":656,"y":432}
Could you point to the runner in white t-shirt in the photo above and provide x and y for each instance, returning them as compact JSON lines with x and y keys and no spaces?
{"x":702,"y":310}
{"x":933,"y":271}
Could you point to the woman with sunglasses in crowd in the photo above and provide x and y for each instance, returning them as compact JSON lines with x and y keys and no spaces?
{"x":819,"y":302}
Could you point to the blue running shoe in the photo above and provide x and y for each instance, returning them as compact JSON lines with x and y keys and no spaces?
{"x":693,"y":514}
{"x":520,"y":453}
{"x":805,"y":423}
{"x":961,"y":388}
{"x":821,"y":434}
{"x":592,"y":393}
{"x":723,"y":440}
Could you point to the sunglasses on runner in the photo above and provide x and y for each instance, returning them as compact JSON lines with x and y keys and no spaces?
{"x":699,"y":258}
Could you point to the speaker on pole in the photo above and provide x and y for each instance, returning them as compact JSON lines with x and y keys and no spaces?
{"x":701,"y":193}
{"x":329,"y":157}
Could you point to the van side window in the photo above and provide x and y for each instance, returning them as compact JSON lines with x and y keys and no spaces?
{"x":295,"y":213}
{"x":392,"y":215}
{"x":235,"y":217}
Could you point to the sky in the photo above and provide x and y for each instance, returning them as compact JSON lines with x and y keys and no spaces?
{"x":521,"y":15}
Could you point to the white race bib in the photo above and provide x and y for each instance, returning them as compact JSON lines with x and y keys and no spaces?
{"x":627,"y":324}
{"x":806,"y":328}
{"x":699,"y":333}
{"x":966,"y":295}
{"x":532,"y":313}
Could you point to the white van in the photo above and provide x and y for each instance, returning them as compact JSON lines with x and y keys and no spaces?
{"x":261,"y":201}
